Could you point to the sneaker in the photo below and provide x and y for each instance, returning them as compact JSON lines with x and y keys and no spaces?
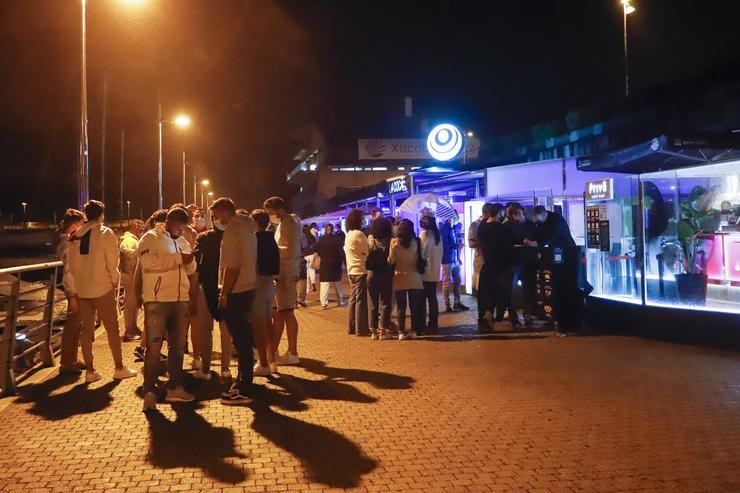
{"x":138,"y":354}
{"x":236,"y":399}
{"x":302,"y":304}
{"x":130,"y":337}
{"x":274,"y":368}
{"x":448,"y":309}
{"x":179,"y":395}
{"x":122,"y":373}
{"x":69,"y":370}
{"x":261,"y":371}
{"x":410,"y":335}
{"x":150,"y":402}
{"x":384,"y":335}
{"x":324,"y":307}
{"x":233,"y":389}
{"x":288,"y":359}
{"x":460,"y":306}
{"x":92,"y":376}
{"x":197,"y":364}
{"x":374,"y":336}
{"x":202,"y":375}
{"x":401,"y":336}
{"x":225,"y":374}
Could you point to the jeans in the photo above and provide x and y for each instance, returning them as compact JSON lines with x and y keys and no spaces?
{"x":415,"y":302}
{"x":380,"y":289}
{"x":451,"y":274}
{"x":162,"y":319}
{"x":202,"y":327}
{"x":430,"y":298}
{"x":301,"y":289}
{"x":358,"y":305}
{"x":236,"y":316}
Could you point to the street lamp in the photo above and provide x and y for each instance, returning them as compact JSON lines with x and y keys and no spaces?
{"x":203,"y":183}
{"x":25,"y":218}
{"x":208,"y":209}
{"x":627,"y":8}
{"x":128,"y":209}
{"x":182,"y":122}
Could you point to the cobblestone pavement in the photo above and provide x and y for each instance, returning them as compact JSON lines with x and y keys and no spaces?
{"x":456,"y":412}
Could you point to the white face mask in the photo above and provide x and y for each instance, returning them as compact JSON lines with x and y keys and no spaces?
{"x":219,"y":225}
{"x":200,"y":222}
{"x":274,"y":219}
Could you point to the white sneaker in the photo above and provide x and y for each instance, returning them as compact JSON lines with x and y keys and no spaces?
{"x":197,"y":364}
{"x":150,"y":402}
{"x":124,"y":372}
{"x":202,"y":375}
{"x":374,"y":336}
{"x":288,"y":359}
{"x":274,"y":368}
{"x":401,"y":336}
{"x":179,"y":395}
{"x":92,"y":376}
{"x":225,"y":374}
{"x":411,"y":335}
{"x":261,"y":371}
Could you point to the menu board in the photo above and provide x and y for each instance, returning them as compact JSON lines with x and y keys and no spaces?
{"x":593,"y":229}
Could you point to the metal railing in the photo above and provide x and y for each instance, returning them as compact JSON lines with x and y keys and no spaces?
{"x":32,"y":309}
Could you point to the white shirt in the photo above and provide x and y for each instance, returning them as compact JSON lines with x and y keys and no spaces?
{"x":432,"y":253}
{"x":356,"y":248}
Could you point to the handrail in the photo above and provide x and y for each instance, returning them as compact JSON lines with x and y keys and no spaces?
{"x":41,"y":330}
{"x":30,"y":267}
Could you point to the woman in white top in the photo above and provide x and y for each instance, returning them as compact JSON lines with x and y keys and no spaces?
{"x":431,"y":249}
{"x":407,"y":286}
{"x":356,"y":251}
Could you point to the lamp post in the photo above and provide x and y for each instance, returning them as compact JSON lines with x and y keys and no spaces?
{"x":25,"y":218}
{"x":181,"y":121}
{"x":203,"y":183}
{"x":627,"y":8}
{"x":208,"y":209}
{"x":128,"y":209}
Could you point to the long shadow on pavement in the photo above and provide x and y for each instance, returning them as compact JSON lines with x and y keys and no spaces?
{"x":80,"y":399}
{"x":328,"y":456}
{"x":377,"y":379}
{"x":191,"y":441}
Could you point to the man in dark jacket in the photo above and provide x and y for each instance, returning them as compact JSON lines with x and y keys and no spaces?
{"x":496,"y":243}
{"x":524,"y":268}
{"x":450,"y":267}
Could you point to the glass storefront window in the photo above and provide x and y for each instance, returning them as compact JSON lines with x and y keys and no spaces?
{"x":613,"y":246}
{"x":692,"y":237}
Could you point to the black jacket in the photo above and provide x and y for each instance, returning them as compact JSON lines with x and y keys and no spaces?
{"x":268,"y":254}
{"x":497,"y":245}
{"x":554,"y":232}
{"x":207,"y":251}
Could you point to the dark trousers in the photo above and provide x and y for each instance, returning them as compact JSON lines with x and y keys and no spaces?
{"x":414,"y":299}
{"x":236,"y":316}
{"x":164,"y":319}
{"x":524,"y":289}
{"x":430,"y":300}
{"x":494,"y":291}
{"x":380,"y":290}
{"x":567,"y":303}
{"x":358,"y":305}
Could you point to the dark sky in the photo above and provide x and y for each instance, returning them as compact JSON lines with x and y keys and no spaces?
{"x":250,"y":72}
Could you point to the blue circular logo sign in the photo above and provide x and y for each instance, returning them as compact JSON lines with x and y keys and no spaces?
{"x":444,"y":142}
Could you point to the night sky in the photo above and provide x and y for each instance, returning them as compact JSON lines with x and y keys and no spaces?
{"x":252,"y":72}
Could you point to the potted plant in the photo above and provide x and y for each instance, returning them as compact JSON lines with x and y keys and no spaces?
{"x":697,"y":223}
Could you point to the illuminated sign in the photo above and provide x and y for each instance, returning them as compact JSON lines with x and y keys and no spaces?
{"x":444,"y":142}
{"x":600,"y":189}
{"x":398,"y":185}
{"x":391,"y":149}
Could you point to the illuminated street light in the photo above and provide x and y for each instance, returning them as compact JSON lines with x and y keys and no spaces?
{"x":205,"y":183}
{"x":627,"y":8}
{"x":25,"y":218}
{"x":182,"y":121}
{"x":470,"y":134}
{"x":128,"y":209}
{"x":133,"y":3}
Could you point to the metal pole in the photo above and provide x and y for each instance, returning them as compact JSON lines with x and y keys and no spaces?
{"x":184,"y":199}
{"x":128,"y":209}
{"x":83,"y":191}
{"x":159,"y":124}
{"x":195,"y":189}
{"x":102,"y":145}
{"x":626,"y":56}
{"x":123,"y":144}
{"x":202,"y":197}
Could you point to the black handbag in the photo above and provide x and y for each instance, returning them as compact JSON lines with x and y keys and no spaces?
{"x":421,"y":263}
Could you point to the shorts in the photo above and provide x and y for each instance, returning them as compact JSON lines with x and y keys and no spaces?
{"x":286,"y":292}
{"x":264,"y":298}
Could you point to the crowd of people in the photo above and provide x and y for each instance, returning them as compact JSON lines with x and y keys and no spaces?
{"x":250,"y":271}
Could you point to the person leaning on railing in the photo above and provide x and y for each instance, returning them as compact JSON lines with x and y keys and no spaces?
{"x":68,"y":361}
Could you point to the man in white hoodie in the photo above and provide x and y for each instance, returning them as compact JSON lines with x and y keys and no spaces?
{"x":91,"y":279}
{"x":169,"y":283}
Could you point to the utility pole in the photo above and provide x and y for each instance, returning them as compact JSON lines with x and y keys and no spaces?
{"x":123,"y":143}
{"x":83,"y":165}
{"x":102,"y":144}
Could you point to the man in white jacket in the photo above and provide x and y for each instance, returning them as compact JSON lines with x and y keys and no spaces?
{"x":169,"y":283}
{"x":91,"y":279}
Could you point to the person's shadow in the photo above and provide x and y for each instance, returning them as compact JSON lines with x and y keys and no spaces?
{"x":191,"y":441}
{"x":328,"y":456}
{"x":80,"y":399}
{"x":378,"y":379}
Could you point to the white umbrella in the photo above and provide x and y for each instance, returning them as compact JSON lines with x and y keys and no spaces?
{"x":429,"y":203}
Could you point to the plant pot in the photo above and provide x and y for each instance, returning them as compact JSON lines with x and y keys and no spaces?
{"x":692,"y":288}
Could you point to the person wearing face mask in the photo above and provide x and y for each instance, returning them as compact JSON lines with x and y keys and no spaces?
{"x":199,"y":221}
{"x":288,"y":238}
{"x":496,"y":242}
{"x":68,"y":362}
{"x":207,"y":252}
{"x":169,"y":288}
